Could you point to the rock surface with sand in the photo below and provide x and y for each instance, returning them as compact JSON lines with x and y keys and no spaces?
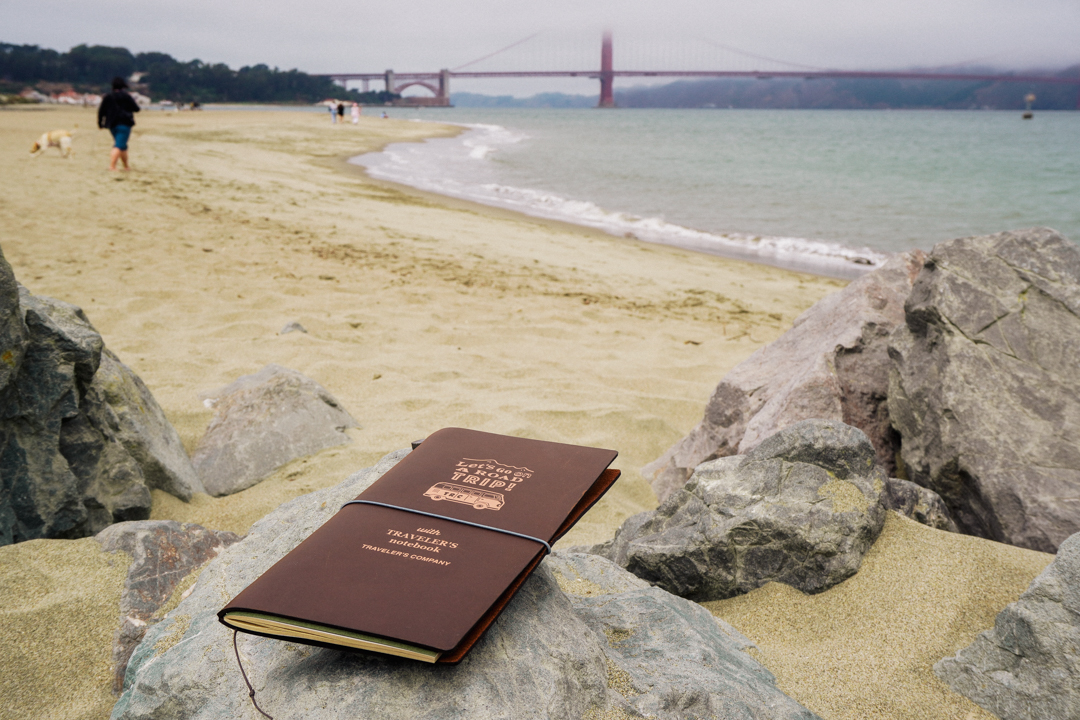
{"x":12,"y":330}
{"x":801,"y":508}
{"x":918,"y":503}
{"x":82,"y":441}
{"x":1028,"y":665}
{"x":124,"y":410}
{"x":832,"y":364}
{"x":985,"y":390}
{"x":163,"y":553}
{"x":668,"y":658}
{"x":263,"y":421}
{"x":582,"y":638}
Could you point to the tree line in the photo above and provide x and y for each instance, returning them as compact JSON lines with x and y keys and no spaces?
{"x":90,"y":68}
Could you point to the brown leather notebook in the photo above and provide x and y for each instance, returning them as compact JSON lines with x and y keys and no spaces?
{"x":428,"y":556}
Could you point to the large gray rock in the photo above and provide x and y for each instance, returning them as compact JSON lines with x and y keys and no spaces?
{"x":603,"y":644}
{"x":667,"y":657}
{"x":82,"y":441}
{"x":832,"y":364}
{"x":263,"y":421}
{"x":918,"y":503}
{"x":802,"y":508}
{"x":1028,"y":666}
{"x":163,"y":553}
{"x":985,"y":386}
{"x":129,"y":415}
{"x":12,"y":329}
{"x":41,"y":496}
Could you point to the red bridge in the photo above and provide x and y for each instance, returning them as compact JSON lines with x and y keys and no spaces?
{"x":439,"y":82}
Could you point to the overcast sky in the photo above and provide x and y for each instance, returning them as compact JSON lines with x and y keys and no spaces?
{"x":323,"y":36}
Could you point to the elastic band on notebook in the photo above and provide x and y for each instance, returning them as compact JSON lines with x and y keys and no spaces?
{"x":251,"y":690}
{"x":545,"y":543}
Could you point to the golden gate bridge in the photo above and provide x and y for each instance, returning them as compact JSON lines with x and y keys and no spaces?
{"x":438,"y":83}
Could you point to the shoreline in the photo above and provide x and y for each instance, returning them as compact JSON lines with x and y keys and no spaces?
{"x":799,"y":262}
{"x":757,"y":249}
{"x":345,"y":165}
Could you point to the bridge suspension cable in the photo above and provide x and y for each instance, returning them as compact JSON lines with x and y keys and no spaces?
{"x":491,"y":55}
{"x":737,"y":51}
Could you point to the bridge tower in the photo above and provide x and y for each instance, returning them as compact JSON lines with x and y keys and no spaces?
{"x":444,"y":87}
{"x":389,"y":81}
{"x":607,"y":77}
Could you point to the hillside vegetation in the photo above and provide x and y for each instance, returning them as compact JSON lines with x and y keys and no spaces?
{"x":90,"y":68}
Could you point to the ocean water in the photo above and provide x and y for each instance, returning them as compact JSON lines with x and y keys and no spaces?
{"x":833,"y":192}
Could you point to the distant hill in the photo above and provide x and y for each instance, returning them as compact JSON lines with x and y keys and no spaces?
{"x":90,"y":68}
{"x":852,"y":94}
{"x":820,"y":93}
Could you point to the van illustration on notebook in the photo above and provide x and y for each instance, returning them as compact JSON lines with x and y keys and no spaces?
{"x":479,"y":499}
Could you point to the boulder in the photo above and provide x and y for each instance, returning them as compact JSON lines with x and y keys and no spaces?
{"x":134,"y":419}
{"x":832,"y":364}
{"x":985,"y":390}
{"x":918,"y":503}
{"x":12,"y":329}
{"x":802,"y":508}
{"x":581,"y":639}
{"x":263,"y":421}
{"x":82,"y":441}
{"x":41,"y":495}
{"x":163,"y":553}
{"x":1026,"y":666}
{"x":666,"y":656}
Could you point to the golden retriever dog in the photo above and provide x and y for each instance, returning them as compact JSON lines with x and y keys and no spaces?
{"x":54,"y":138}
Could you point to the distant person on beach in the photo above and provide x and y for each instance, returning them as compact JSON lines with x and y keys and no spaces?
{"x":117,"y":112}
{"x":385,"y":116}
{"x":333,"y":115}
{"x":341,"y":112}
{"x":355,"y":113}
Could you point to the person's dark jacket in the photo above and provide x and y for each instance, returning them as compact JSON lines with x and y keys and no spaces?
{"x":117,"y":108}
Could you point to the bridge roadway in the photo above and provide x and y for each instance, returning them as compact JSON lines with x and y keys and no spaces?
{"x":440,"y":88}
{"x":759,"y":74}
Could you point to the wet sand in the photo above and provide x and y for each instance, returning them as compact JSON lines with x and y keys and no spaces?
{"x":422,"y":312}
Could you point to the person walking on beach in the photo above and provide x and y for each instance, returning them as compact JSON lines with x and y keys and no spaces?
{"x":333,"y":115}
{"x":341,"y":112}
{"x":355,"y":113}
{"x":117,"y":112}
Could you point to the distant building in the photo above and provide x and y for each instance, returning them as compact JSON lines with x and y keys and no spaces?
{"x":65,"y":97}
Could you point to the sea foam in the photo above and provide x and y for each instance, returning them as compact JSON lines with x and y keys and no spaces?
{"x":467,"y":167}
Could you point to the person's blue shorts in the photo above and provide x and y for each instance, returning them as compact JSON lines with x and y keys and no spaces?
{"x":120,"y":135}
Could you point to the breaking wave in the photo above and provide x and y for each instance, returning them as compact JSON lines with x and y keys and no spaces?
{"x":467,"y":167}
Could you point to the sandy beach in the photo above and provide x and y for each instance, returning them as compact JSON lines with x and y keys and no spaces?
{"x":424,"y":312}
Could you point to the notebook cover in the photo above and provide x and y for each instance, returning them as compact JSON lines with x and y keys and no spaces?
{"x":428,"y":581}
